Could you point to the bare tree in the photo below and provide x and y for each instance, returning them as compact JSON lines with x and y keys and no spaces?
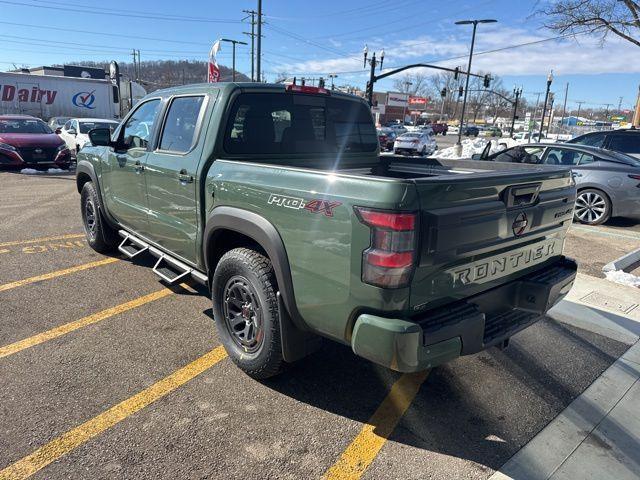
{"x":413,"y":84}
{"x":445,"y":81}
{"x":620,"y":17}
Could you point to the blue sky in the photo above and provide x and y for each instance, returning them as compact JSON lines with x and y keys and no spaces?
{"x":317,"y":38}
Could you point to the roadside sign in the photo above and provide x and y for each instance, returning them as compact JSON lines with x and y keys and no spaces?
{"x":527,"y":121}
{"x":378,"y":109}
{"x":395,"y":99}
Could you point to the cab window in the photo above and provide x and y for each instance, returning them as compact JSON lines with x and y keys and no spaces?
{"x":137,"y":131}
{"x":179,"y":133}
{"x":593,"y":140}
{"x":625,"y":143}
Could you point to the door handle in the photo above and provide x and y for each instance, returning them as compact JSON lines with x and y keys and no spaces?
{"x":184,"y":177}
{"x":138,"y":167}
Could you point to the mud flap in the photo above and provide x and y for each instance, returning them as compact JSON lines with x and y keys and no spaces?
{"x":296,"y":343}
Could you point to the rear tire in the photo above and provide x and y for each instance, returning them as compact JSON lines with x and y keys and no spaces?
{"x":100,"y":236}
{"x":593,"y":207}
{"x":245,"y":309}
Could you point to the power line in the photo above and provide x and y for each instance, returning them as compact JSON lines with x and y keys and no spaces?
{"x":119,"y":14}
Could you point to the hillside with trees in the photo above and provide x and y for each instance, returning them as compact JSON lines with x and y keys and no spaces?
{"x":157,"y":74}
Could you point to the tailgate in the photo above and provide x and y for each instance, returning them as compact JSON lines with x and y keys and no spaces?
{"x":478,"y":231}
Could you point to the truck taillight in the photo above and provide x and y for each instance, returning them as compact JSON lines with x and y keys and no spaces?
{"x":307,"y":89}
{"x":390,"y":259}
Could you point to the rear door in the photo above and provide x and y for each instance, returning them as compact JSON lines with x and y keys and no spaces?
{"x":172,"y":176}
{"x":123,"y":168}
{"x":480,"y":231}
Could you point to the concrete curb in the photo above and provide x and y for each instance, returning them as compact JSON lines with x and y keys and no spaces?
{"x":623,"y":262}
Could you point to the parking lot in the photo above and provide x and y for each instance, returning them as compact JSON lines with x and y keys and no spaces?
{"x":106,"y":373}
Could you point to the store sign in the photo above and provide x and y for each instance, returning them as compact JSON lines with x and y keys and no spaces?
{"x":397,"y":99}
{"x":418,"y":101}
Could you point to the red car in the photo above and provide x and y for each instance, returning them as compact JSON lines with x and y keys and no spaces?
{"x":27,"y":141}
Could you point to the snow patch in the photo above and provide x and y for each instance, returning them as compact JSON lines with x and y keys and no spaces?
{"x":623,"y":278}
{"x":469,"y":147}
{"x":33,"y":171}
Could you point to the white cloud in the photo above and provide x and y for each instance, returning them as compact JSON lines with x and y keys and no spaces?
{"x":582,"y":55}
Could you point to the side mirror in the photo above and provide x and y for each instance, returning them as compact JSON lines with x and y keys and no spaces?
{"x":476,"y":156}
{"x":72,"y":131}
{"x":100,"y":137}
{"x":58,"y":130}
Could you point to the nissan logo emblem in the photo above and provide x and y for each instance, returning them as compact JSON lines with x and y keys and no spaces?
{"x":520,"y":224}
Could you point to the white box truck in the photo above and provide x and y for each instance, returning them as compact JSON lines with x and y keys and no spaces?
{"x":47,"y":96}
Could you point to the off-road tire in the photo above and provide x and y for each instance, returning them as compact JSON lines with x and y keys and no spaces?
{"x":100,"y":236}
{"x":257,"y":271}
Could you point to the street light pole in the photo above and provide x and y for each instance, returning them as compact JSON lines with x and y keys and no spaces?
{"x":466,"y":87}
{"x":233,"y":61}
{"x":372,"y":73}
{"x":407,"y":84}
{"x":546,"y":99}
{"x":332,"y":76}
{"x":517,"y":92}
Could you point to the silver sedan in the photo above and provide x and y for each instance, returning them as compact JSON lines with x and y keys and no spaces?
{"x":608,"y":182}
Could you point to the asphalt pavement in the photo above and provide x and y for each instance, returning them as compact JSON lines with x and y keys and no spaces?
{"x":106,"y":373}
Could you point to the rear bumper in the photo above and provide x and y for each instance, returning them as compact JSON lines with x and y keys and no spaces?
{"x":462,"y":328}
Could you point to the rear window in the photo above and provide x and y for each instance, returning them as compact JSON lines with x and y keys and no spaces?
{"x":273,"y":123}
{"x":86,"y":127}
{"x":625,"y":143}
{"x":591,"y":139}
{"x":24,"y":126}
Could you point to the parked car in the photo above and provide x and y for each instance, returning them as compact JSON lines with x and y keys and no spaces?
{"x":301,"y":236}
{"x":470,"y":130}
{"x":608,"y":182}
{"x":398,"y":128}
{"x":624,"y":141}
{"x":27,"y":141}
{"x":386,"y":138}
{"x":56,"y":123}
{"x":453,"y":130}
{"x":492,"y":132}
{"x":415,"y":143}
{"x":75,"y":131}
{"x":442,"y":128}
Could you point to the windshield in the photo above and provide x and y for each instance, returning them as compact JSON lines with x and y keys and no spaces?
{"x":298,"y":124}
{"x":86,"y":127}
{"x":24,"y":126}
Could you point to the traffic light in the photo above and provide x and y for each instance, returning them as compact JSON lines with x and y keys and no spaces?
{"x":456,"y":73}
{"x":487,"y":81}
{"x":460,"y":91}
{"x":443,"y":92}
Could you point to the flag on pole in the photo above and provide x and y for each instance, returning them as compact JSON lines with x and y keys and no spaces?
{"x":214,"y":70}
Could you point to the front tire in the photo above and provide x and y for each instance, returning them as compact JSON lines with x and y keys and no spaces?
{"x":245,"y":309}
{"x":100,"y":236}
{"x":593,"y":207}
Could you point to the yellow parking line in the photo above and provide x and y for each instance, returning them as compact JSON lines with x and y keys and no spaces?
{"x":40,"y":240}
{"x":57,"y":273}
{"x":83,"y":322}
{"x":72,"y":439}
{"x":365,"y":447}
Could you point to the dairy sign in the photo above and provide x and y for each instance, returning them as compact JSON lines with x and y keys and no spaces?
{"x":397,"y":99}
{"x":12,"y":93}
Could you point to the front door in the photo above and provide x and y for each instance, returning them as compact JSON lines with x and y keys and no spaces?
{"x":171,"y":174}
{"x":123,"y":171}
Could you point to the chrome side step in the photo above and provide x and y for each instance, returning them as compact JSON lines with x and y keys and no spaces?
{"x":169,"y":269}
{"x":132,"y":246}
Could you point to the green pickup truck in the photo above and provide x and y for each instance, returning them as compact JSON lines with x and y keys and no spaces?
{"x":277,"y":198}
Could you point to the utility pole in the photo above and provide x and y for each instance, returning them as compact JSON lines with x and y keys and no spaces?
{"x":606,"y":112}
{"x":259,"y":49}
{"x":579,"y":108}
{"x":564,"y":106}
{"x":619,"y":105}
{"x":139,"y":67}
{"x":546,"y":99}
{"x":233,"y":61}
{"x":407,"y":84}
{"x":533,"y":115}
{"x":466,"y":87}
{"x":332,"y":76}
{"x":135,"y":68}
{"x":252,"y":14}
{"x":372,"y":73}
{"x":517,"y":92}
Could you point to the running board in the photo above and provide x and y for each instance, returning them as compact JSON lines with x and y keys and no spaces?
{"x":132,"y":246}
{"x":169,"y":269}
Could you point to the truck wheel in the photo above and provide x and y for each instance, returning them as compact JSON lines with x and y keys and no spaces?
{"x":100,"y":236}
{"x":593,"y":207}
{"x":245,"y":309}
